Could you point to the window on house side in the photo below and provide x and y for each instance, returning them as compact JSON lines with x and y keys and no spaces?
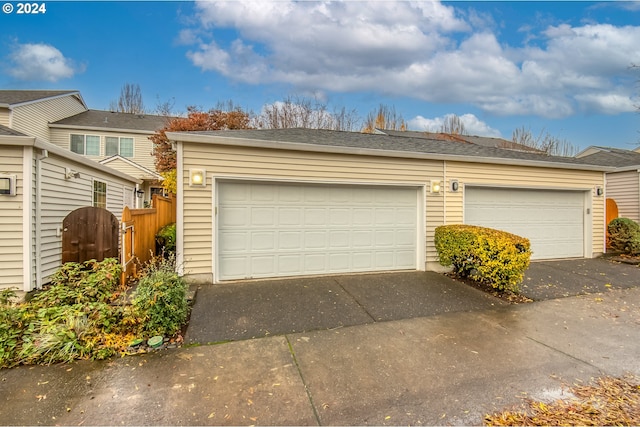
{"x":99,"y":194}
{"x":88,"y":145}
{"x":115,"y":145}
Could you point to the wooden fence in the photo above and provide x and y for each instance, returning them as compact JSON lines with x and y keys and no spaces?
{"x":611,"y":214}
{"x":139,"y":229}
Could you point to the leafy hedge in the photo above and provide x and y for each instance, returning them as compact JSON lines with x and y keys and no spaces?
{"x":624,"y":236}
{"x":166,"y":238}
{"x":484,"y":254}
{"x":84,"y":313}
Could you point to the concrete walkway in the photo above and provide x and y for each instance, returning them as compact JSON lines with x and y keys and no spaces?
{"x":448,"y":368}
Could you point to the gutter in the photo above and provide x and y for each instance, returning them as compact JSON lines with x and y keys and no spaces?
{"x":297,"y":146}
{"x":102,"y":129}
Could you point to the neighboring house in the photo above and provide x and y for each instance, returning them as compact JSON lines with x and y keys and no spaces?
{"x":484,"y":141}
{"x":120,"y":140}
{"x":287,"y":202}
{"x":623,"y":183}
{"x":40,"y":184}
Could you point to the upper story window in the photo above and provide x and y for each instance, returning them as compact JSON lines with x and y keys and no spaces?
{"x":88,"y":145}
{"x":99,"y":194}
{"x":118,"y":145}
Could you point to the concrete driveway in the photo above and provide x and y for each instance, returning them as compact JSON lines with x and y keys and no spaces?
{"x":449,"y":367}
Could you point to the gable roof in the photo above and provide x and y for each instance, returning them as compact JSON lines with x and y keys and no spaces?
{"x":114,"y":121}
{"x":13,"y":98}
{"x":30,"y":141}
{"x":609,"y":156}
{"x":148,"y":172}
{"x":485,"y":141}
{"x":379,"y":145}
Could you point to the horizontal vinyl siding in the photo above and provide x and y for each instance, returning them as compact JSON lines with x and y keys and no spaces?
{"x":60,"y":196}
{"x":225,"y":161}
{"x":11,"y":228}
{"x":33,"y":119}
{"x":624,"y":188}
{"x":528,"y":177}
{"x":142,"y":145}
{"x":4,"y":117}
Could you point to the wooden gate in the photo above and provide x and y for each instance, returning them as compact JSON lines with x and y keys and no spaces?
{"x":139,"y":228}
{"x":611,"y":214}
{"x":89,"y":233}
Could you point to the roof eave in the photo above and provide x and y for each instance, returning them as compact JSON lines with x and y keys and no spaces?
{"x":296,"y":146}
{"x":101,"y":129}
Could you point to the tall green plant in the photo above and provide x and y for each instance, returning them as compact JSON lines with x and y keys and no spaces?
{"x":160,"y":299}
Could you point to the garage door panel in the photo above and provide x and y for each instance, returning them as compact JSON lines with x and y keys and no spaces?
{"x":552,"y":220}
{"x":314,"y":229}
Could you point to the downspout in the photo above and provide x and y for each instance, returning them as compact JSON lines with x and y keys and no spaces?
{"x":27,"y":212}
{"x":38,"y":231}
{"x":180,"y":209}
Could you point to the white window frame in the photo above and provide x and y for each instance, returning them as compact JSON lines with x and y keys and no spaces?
{"x":84,"y":143}
{"x":94,"y":192}
{"x":119,"y":149}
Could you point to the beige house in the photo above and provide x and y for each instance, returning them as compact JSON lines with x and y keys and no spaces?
{"x":40,"y":184}
{"x":623,"y":183}
{"x":118,"y":140}
{"x":272,"y":203}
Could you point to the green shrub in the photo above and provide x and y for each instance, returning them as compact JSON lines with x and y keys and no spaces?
{"x":484,"y":254}
{"x":160,"y":299}
{"x":624,"y":235}
{"x":166,"y":238}
{"x":11,"y":327}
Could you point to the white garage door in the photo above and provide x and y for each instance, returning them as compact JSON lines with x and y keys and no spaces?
{"x":274,"y":229}
{"x":552,"y":220}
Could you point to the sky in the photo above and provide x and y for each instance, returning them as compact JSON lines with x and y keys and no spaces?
{"x":557,"y":68}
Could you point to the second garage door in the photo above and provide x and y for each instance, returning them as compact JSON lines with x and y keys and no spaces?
{"x":552,"y":220}
{"x":276,"y":229}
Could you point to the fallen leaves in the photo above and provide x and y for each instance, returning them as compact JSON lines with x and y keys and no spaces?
{"x":611,"y":401}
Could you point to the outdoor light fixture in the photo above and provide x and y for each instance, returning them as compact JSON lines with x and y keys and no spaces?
{"x":68,"y":173}
{"x":138,"y":192}
{"x":435,"y":187}
{"x":197,"y":178}
{"x":454,"y":185}
{"x":599,"y":191}
{"x":7,"y":185}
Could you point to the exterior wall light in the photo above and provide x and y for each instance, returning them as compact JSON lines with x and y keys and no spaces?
{"x":69,"y":174}
{"x":197,"y":178}
{"x":599,"y":191}
{"x":435,"y":187}
{"x":454,"y":185}
{"x":8,"y":185}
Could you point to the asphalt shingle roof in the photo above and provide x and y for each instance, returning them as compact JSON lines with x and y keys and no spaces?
{"x":485,"y":141}
{"x":366,"y":141}
{"x":115,"y":120}
{"x":615,"y":157}
{"x":7,"y":131}
{"x":12,"y":97}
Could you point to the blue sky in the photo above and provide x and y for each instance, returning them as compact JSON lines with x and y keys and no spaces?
{"x":557,"y":67}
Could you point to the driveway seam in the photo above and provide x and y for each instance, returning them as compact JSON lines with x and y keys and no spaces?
{"x":356,"y":300}
{"x":304,"y":382}
{"x":564,"y":353}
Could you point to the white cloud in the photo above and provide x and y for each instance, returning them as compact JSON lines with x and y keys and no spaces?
{"x":423,"y":50}
{"x":472,"y":124}
{"x":40,"y":62}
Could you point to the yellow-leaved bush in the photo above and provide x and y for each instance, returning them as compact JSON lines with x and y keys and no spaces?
{"x":484,"y":254}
